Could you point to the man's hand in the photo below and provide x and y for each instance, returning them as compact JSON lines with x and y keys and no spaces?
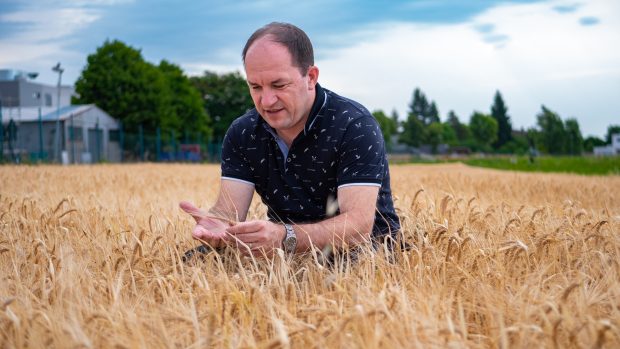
{"x":258,"y":237}
{"x":209,"y":230}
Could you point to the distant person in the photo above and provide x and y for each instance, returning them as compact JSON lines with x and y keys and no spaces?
{"x":300,"y":148}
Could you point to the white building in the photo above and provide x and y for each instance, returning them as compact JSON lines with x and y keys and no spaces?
{"x":17,"y":89}
{"x":611,"y":149}
{"x":87,"y":134}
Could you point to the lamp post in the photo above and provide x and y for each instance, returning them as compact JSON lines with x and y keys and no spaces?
{"x":58,"y":70}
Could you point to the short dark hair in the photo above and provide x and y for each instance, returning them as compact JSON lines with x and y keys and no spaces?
{"x":293,"y":38}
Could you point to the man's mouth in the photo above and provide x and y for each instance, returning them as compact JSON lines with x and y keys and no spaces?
{"x":273,"y":111}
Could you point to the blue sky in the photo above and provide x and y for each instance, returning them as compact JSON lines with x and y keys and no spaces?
{"x":560,"y":53}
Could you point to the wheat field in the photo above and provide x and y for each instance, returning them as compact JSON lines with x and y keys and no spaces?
{"x":90,"y":256}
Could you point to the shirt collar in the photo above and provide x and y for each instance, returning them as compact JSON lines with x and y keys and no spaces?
{"x":319,"y":102}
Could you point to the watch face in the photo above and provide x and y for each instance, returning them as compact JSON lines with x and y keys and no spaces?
{"x":290,"y":243}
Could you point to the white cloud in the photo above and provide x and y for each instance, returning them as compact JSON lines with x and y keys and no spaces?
{"x":43,"y":25}
{"x":540,"y":56}
{"x":198,"y":68}
{"x":44,"y":35}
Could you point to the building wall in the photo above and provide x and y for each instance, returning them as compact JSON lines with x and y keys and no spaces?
{"x":9,"y":93}
{"x":24,"y":93}
{"x":92,"y":122}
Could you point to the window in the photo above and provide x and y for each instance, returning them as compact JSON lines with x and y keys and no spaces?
{"x":48,"y":100}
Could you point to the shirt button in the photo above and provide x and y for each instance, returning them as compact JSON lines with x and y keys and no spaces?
{"x":288,"y":160}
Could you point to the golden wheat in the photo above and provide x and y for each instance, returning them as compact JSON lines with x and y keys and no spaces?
{"x":91,"y":257}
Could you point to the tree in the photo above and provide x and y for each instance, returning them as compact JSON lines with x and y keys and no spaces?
{"x":434,"y":134}
{"x":118,"y":80}
{"x":426,"y":112}
{"x":413,"y":131}
{"x":484,"y":129}
{"x":448,"y":135}
{"x":552,"y":132}
{"x":187,"y":114}
{"x":611,"y":130}
{"x":461,"y":130}
{"x":433,"y":114}
{"x":388,"y":127}
{"x":225,"y":98}
{"x":590,"y":142}
{"x":574,"y":140}
{"x":499,"y":111}
{"x":419,"y":105}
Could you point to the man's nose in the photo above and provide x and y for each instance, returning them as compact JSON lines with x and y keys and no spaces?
{"x":268,"y":98}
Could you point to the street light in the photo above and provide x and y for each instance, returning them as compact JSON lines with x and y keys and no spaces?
{"x":59,"y":70}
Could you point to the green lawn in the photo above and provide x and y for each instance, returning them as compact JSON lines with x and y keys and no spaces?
{"x":568,"y":164}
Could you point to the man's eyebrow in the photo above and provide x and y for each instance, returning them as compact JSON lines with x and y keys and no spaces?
{"x":277,"y":81}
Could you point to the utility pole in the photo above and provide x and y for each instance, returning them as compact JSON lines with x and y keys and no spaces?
{"x":58,"y":70}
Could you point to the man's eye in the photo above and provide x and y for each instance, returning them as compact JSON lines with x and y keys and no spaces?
{"x":279,"y":86}
{"x":255,"y":87}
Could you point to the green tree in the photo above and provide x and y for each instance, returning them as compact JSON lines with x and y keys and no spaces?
{"x":552,"y":132}
{"x":484,"y":129}
{"x":611,"y":130}
{"x":419,"y":106}
{"x":499,"y":111}
{"x":426,"y":112}
{"x":388,"y":127}
{"x":434,"y":135}
{"x":188,"y":115}
{"x":413,"y":132}
{"x":461,"y":130}
{"x":433,"y":114}
{"x":118,"y":80}
{"x":590,"y":142}
{"x":574,"y":140}
{"x":225,"y":98}
{"x":448,"y":135}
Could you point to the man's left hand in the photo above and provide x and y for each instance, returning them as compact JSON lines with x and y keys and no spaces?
{"x":258,"y":237}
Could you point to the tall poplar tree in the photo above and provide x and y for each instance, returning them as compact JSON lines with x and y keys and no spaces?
{"x":499,"y":112}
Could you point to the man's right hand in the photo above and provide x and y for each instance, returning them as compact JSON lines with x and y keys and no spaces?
{"x":208,"y":230}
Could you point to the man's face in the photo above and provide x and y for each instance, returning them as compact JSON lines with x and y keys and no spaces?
{"x":281,"y":94}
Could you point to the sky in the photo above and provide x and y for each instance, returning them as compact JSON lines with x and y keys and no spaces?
{"x":564,"y":54}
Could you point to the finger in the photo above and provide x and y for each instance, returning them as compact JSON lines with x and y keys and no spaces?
{"x":192,"y":210}
{"x":242,"y":242}
{"x":245,"y":228}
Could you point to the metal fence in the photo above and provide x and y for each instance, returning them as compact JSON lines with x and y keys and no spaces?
{"x":35,"y":142}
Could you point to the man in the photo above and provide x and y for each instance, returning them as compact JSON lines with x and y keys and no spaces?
{"x":301,"y":148}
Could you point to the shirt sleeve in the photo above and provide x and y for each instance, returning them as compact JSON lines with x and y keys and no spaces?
{"x":234,"y":163}
{"x":362,"y":157}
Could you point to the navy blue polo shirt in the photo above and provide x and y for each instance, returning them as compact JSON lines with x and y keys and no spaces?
{"x":341,"y":145}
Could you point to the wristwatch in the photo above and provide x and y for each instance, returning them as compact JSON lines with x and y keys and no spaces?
{"x":289,"y":244}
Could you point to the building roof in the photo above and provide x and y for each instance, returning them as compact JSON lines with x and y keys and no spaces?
{"x":28,"y":114}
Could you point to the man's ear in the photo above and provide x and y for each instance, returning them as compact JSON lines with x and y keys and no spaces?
{"x":313,"y":76}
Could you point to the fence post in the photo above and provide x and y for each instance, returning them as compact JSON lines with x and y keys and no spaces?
{"x":1,"y":135}
{"x":158,"y":144}
{"x":141,"y":140}
{"x":72,"y":139}
{"x":173,"y":144}
{"x":121,"y":139}
{"x":40,"y":135}
{"x":97,"y":141}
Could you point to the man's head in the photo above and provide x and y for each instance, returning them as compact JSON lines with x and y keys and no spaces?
{"x":294,"y":39}
{"x":280,"y":70}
